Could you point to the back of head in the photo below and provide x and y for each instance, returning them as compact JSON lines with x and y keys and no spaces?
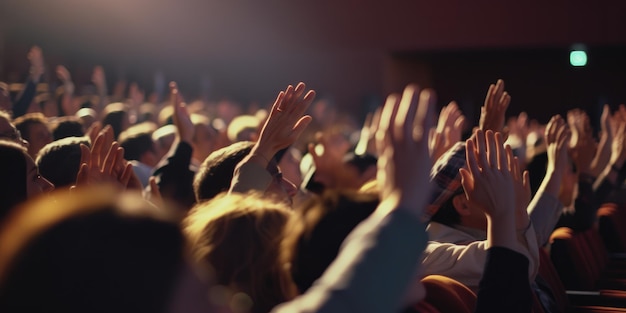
{"x":115,"y":116}
{"x":12,"y":176}
{"x":237,"y":238}
{"x":316,"y":234}
{"x":59,"y":161}
{"x":137,"y":140}
{"x":92,"y":251}
{"x":67,"y":126}
{"x":216,"y":172}
{"x":446,"y":180}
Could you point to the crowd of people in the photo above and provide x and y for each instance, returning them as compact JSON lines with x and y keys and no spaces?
{"x":111,"y":203}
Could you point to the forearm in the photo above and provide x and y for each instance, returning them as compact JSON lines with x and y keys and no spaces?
{"x":25,"y":98}
{"x":544,"y":211}
{"x":250,"y":176}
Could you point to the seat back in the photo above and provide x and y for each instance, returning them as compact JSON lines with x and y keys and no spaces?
{"x":448,"y":295}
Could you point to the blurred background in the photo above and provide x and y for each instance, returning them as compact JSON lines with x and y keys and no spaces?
{"x":352,"y":52}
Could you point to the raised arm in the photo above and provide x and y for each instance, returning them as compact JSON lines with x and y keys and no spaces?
{"x":384,"y":250}
{"x":35,"y":57}
{"x":545,"y":207}
{"x":174,"y":178}
{"x":282,"y":128}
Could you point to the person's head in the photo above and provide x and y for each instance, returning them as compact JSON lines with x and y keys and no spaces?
{"x":138,"y":145}
{"x":318,"y":229}
{"x":59,"y":161}
{"x":204,"y":137}
{"x":237,"y":238}
{"x":448,"y":204}
{"x":216,"y":173}
{"x":94,"y":250}
{"x":8,"y":130}
{"x":34,"y":128}
{"x":19,"y":177}
{"x":116,"y":116}
{"x":67,"y":126}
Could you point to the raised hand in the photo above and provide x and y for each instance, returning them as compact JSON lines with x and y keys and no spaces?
{"x":489,"y":184}
{"x":487,"y":181}
{"x":182,"y":120}
{"x":285,"y":122}
{"x":603,"y":154}
{"x":448,"y":131}
{"x":35,"y":56}
{"x":403,"y":156}
{"x":105,"y":163}
{"x":492,"y":113}
{"x":583,"y":144}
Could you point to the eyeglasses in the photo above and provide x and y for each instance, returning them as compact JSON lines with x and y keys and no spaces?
{"x":15,"y":136}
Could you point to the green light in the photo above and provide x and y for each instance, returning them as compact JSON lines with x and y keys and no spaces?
{"x":578,"y":58}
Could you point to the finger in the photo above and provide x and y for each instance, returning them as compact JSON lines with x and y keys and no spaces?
{"x":500,"y":153}
{"x":425,"y":115}
{"x":491,"y":149}
{"x":85,"y":154}
{"x":83,"y":174}
{"x":303,"y":105}
{"x":526,"y":182}
{"x":488,"y":98}
{"x":126,"y":175}
{"x":96,"y":147}
{"x":387,"y":115}
{"x":109,"y":160}
{"x":481,"y":149}
{"x":287,"y":100}
{"x":516,"y":170}
{"x":403,"y":122}
{"x":509,"y":158}
{"x":470,"y":155}
{"x":300,"y":127}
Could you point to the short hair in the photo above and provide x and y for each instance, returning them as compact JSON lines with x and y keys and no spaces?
{"x":137,"y":140}
{"x":114,"y":115}
{"x":216,"y":172}
{"x":316,"y":233}
{"x":12,"y":176}
{"x":59,"y":161}
{"x":24,"y":122}
{"x":92,"y":250}
{"x":238,"y":238}
{"x":67,"y":126}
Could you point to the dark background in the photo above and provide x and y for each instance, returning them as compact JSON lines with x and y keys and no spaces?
{"x":352,"y":52}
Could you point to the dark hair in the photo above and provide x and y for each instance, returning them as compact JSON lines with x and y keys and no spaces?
{"x":67,"y":127}
{"x":88,"y":254}
{"x":136,"y":145}
{"x":12,"y":176}
{"x":216,"y":172}
{"x":447,"y":214}
{"x":59,"y":161}
{"x":115,"y":118}
{"x":319,"y":230}
{"x":24,"y":122}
